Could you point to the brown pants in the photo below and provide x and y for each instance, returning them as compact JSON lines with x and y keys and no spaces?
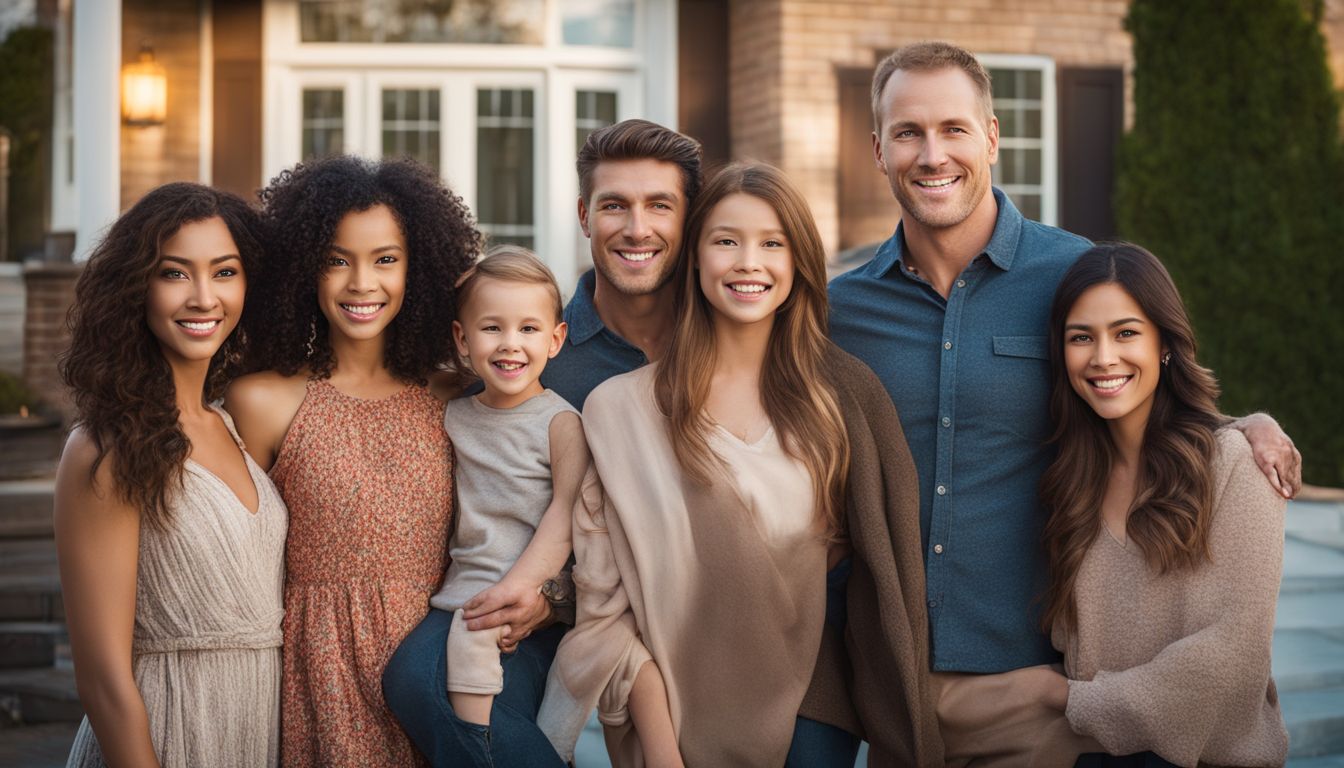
{"x":998,"y":721}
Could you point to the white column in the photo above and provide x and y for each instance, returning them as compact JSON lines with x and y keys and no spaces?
{"x":97,"y":86}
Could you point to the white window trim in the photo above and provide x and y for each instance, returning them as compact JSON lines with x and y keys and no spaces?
{"x":1049,"y":142}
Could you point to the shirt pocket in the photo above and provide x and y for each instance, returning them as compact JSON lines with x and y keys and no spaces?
{"x":1022,"y":346}
{"x":1022,"y":386}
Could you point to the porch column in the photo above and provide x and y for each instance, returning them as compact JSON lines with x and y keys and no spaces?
{"x":97,"y":125}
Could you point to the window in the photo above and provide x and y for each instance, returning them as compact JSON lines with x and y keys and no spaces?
{"x":505,"y":127}
{"x":323,"y":122}
{"x":598,"y":22}
{"x":516,"y":22}
{"x":410,"y":125}
{"x":1024,"y":102}
{"x":592,"y":110}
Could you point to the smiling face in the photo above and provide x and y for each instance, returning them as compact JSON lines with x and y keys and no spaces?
{"x":362,"y":287}
{"x":634,"y":220}
{"x":195,"y":296}
{"x":1113,"y":354}
{"x":936,"y":146}
{"x":744,"y":260}
{"x":507,"y":330}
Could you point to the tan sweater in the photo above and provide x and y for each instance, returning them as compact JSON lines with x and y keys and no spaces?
{"x":724,"y":586}
{"x":1178,"y":664}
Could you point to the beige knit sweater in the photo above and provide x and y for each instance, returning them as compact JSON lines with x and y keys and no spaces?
{"x":1178,"y":664}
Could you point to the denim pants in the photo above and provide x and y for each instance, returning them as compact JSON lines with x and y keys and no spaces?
{"x":818,"y":745}
{"x":415,"y":688}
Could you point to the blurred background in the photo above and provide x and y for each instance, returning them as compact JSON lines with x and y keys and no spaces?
{"x":1208,"y":131}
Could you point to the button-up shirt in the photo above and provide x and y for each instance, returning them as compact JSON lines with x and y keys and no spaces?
{"x":592,"y":352}
{"x":970,"y":377}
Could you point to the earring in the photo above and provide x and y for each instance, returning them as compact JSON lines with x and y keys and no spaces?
{"x":1166,"y":358}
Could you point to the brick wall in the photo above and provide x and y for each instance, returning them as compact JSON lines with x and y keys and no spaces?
{"x":50,"y":291}
{"x":155,"y":155}
{"x":785,"y":107}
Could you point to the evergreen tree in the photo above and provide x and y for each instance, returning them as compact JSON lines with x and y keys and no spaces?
{"x":1234,"y":176}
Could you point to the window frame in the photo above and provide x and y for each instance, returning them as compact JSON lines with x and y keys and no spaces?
{"x":1049,"y":141}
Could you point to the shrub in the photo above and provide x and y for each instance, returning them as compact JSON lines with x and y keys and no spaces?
{"x":1234,"y":176}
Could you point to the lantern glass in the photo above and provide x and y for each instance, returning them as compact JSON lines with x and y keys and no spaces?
{"x":144,"y":91}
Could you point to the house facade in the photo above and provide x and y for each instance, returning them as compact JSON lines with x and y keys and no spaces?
{"x":498,"y":95}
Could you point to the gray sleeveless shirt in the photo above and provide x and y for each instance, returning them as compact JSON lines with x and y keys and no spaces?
{"x":503,"y":480}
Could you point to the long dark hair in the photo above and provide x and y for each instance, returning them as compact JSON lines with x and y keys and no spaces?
{"x":121,"y":383}
{"x":302,"y":208}
{"x":795,"y":390}
{"x":1173,"y":506}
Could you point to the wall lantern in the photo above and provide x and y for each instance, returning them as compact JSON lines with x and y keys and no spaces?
{"x":144,"y":90}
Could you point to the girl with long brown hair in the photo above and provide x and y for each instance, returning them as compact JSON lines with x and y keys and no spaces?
{"x":726,"y":479}
{"x":170,"y":539}
{"x":1165,"y":542}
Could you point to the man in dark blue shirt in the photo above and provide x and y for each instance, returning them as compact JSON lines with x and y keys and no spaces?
{"x":951,"y":314}
{"x":637,"y":180}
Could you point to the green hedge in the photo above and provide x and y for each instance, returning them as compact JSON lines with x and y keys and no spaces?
{"x":1234,"y":176}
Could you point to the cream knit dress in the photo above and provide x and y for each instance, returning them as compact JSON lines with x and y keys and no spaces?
{"x":206,"y":652}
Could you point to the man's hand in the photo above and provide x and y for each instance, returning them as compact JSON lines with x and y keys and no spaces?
{"x":520,"y":609}
{"x":1055,"y":690}
{"x":1274,"y":452}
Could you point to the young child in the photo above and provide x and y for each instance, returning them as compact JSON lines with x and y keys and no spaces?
{"x":521,"y":458}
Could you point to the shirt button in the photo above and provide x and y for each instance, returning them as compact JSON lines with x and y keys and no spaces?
{"x":933,"y":603}
{"x":947,"y":345}
{"x":961,"y":283}
{"x":942,"y":490}
{"x":947,"y":422}
{"x":937,"y":549}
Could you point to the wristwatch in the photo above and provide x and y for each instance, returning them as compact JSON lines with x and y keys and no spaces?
{"x":559,"y":592}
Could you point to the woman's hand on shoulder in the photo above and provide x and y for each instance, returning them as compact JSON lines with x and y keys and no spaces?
{"x":262,"y":406}
{"x":98,"y":546}
{"x":1274,"y":452}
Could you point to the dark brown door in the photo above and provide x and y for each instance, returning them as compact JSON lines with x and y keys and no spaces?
{"x":868,"y":212}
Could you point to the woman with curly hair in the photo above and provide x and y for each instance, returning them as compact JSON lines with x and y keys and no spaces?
{"x":353,"y":314}
{"x":170,"y":539}
{"x":1165,"y":543}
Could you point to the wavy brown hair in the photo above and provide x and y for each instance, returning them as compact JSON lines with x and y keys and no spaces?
{"x":1173,"y":507}
{"x":302,"y":208}
{"x":121,"y":383}
{"x":796,"y":391}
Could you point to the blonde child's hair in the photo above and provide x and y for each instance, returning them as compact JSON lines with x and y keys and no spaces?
{"x":511,"y":264}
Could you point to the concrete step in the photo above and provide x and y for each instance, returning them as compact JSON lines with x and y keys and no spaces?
{"x":37,"y":746}
{"x":1315,"y":721}
{"x":39,"y":696}
{"x":30,"y":583}
{"x":1326,"y":761}
{"x":25,"y":508}
{"x":29,"y":644}
{"x":1308,"y":659}
{"x":29,"y":447}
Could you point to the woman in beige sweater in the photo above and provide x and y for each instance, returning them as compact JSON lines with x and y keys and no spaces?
{"x":1165,"y":542}
{"x":726,"y":477}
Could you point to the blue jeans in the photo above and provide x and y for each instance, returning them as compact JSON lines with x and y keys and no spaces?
{"x":415,"y":687}
{"x":821,"y":745}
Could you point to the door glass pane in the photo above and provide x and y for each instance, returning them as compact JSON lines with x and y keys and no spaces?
{"x":323,"y":122}
{"x":505,"y":167}
{"x":410,"y":125}
{"x":598,"y":22}
{"x":519,"y":22}
{"x":592,"y":110}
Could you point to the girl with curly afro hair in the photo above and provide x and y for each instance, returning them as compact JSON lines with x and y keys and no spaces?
{"x":353,"y":314}
{"x":156,"y":504}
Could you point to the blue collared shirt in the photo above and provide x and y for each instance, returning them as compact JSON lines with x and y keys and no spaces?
{"x":592,"y":353}
{"x":970,"y":377}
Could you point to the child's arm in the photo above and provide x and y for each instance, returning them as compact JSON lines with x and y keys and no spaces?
{"x":652,"y":718}
{"x":549,"y":549}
